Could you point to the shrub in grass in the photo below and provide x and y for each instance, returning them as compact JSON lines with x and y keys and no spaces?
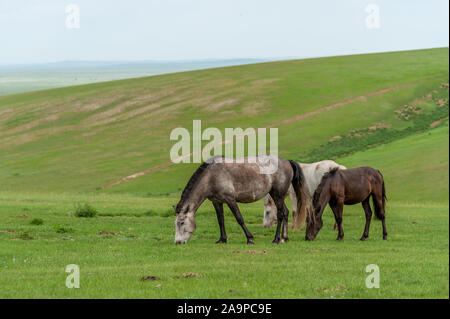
{"x":37,"y":221}
{"x":25,"y":236}
{"x":85,"y":210}
{"x":62,"y":229}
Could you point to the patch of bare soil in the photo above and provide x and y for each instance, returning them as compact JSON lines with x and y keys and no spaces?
{"x":338,"y":288}
{"x":366,"y":131}
{"x":150,"y":278}
{"x":335,"y":138}
{"x":30,"y":125}
{"x":188,"y":275}
{"x":103,"y":232}
{"x":222,"y":104}
{"x":435,"y":123}
{"x":407,"y":112}
{"x":256,"y":252}
{"x":442,"y":102}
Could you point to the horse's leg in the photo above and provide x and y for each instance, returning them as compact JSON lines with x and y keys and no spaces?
{"x":221,"y":220}
{"x":382,"y":213}
{"x":337,"y":209}
{"x":297,"y":217}
{"x":368,"y":211}
{"x":284,"y":234}
{"x":237,"y":214}
{"x":384,"y":227}
{"x":279,"y":202}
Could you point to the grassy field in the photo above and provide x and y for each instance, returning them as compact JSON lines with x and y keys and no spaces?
{"x":58,"y":146}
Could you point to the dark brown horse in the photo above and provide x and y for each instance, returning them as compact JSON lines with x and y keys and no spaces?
{"x":348,"y":187}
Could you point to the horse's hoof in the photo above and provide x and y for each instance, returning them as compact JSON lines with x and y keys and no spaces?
{"x":339,"y":238}
{"x":363,"y":238}
{"x":250,"y":241}
{"x":221,"y":241}
{"x":285,"y":239}
{"x":276,"y":241}
{"x":384,"y":237}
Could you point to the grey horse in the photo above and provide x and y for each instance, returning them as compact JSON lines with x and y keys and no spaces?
{"x":244,"y":180}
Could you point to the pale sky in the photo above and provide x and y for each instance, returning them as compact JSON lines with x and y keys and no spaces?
{"x":33,"y":31}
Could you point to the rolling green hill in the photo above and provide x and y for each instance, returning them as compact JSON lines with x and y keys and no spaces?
{"x":79,"y":138}
{"x":415,"y":168}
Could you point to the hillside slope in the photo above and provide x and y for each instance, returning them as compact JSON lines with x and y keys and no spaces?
{"x":79,"y":138}
{"x":415,"y":168}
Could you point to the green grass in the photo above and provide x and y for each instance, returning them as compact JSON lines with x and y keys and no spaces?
{"x":58,"y":146}
{"x":413,"y":261}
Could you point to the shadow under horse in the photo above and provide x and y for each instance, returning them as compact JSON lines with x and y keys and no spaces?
{"x":232,"y":181}
{"x":348,"y":187}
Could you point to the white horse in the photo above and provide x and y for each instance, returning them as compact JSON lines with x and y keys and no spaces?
{"x":313,"y":174}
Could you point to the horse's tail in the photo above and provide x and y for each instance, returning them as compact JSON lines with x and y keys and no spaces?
{"x":299,"y":184}
{"x":379,"y":211}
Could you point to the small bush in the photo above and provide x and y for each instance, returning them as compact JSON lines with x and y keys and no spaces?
{"x":25,"y":236}
{"x":85,"y":210}
{"x":37,"y":221}
{"x":62,"y":229}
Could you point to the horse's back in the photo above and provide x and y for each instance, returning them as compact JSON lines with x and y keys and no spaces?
{"x":246,"y":180}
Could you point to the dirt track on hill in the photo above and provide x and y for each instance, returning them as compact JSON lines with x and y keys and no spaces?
{"x":287,"y":121}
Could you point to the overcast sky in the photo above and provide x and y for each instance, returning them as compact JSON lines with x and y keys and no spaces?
{"x":41,"y":31}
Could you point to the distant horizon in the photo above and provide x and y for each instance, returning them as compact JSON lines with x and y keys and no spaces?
{"x":266,"y":59}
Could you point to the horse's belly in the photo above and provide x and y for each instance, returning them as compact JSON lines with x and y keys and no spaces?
{"x":251,"y":196}
{"x":352,"y":199}
{"x":352,"y":202}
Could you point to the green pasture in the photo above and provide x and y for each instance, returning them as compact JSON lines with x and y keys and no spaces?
{"x":413,"y":262}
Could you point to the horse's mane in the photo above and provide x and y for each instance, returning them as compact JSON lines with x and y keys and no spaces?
{"x":192,"y":182}
{"x":324,"y":180}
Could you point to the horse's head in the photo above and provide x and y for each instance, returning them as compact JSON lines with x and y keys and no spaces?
{"x":313,"y":224}
{"x":184,"y":224}
{"x":270,"y":212}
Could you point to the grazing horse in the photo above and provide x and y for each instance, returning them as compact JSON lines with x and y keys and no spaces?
{"x":313,"y":175}
{"x":348,"y":187}
{"x":244,"y":180}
